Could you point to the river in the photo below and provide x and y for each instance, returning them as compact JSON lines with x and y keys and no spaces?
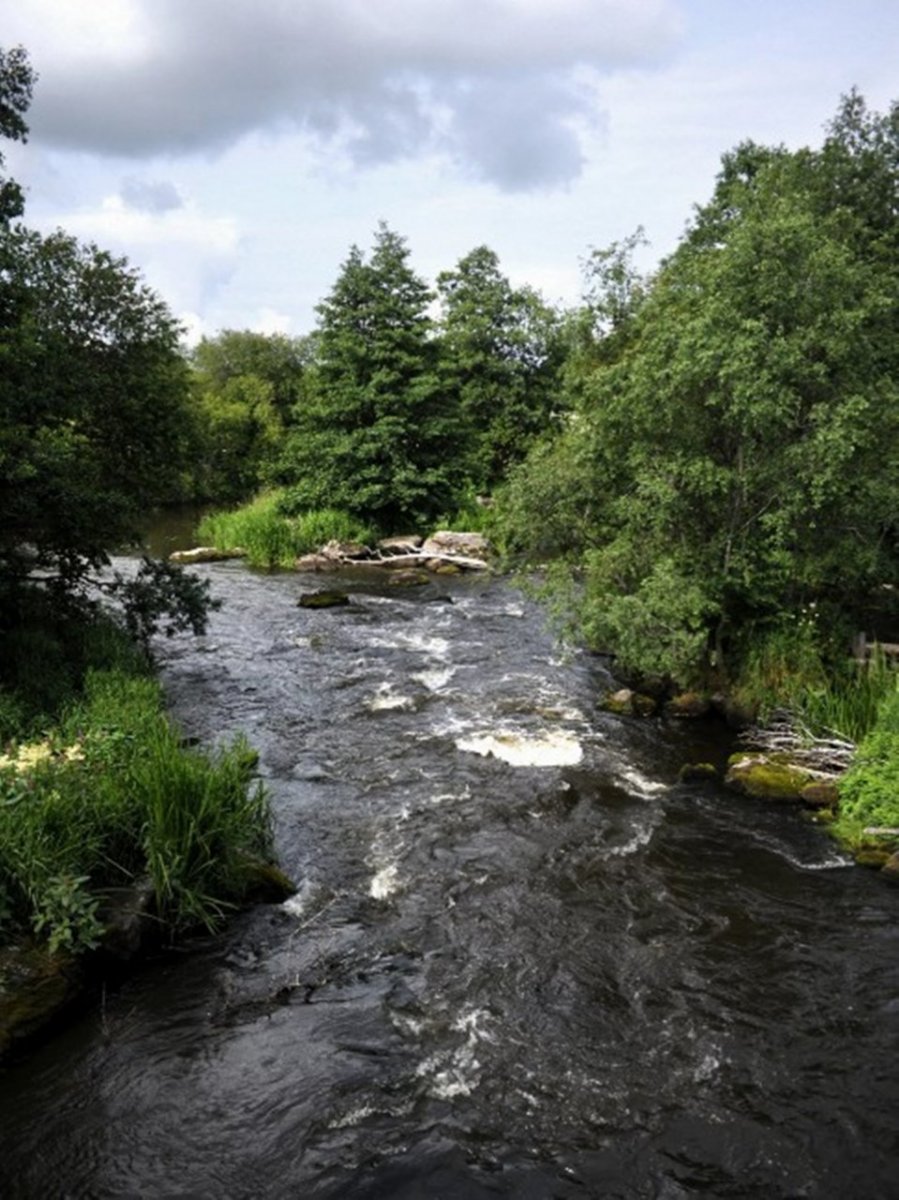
{"x":522,"y":959}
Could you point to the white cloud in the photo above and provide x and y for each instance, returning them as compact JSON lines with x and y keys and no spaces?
{"x":165,"y":76}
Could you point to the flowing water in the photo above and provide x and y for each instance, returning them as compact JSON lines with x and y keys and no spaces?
{"x":521,"y":960}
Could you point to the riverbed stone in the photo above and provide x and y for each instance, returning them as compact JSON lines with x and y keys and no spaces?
{"x":408,"y":577}
{"x":406,"y":544}
{"x":342,"y":551}
{"x":323,"y":599}
{"x":823,"y":793}
{"x":700,"y":772}
{"x":628,"y":703}
{"x":767,"y":776}
{"x":687,"y":706}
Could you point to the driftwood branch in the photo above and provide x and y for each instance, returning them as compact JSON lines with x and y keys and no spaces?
{"x":825,"y":756}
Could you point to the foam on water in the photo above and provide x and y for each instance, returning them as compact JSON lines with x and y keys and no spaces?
{"x":457,"y":1072}
{"x":552,"y":748}
{"x":436,"y":678}
{"x":386,"y":699}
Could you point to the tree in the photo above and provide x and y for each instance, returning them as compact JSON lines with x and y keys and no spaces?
{"x":378,"y":437}
{"x":246,"y":387}
{"x":744,"y":433}
{"x":16,"y":83}
{"x":93,"y":402}
{"x":500,"y":356}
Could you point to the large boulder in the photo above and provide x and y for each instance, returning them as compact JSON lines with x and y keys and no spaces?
{"x":466,"y":545}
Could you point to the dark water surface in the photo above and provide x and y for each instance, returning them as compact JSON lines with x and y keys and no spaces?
{"x":522,"y":960}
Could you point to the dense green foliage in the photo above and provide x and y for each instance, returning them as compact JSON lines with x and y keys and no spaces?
{"x":246,"y":387}
{"x":107,"y":796}
{"x":94,"y":428}
{"x":378,"y":437}
{"x":499,"y":358}
{"x":736,"y":437}
{"x":93,"y":403}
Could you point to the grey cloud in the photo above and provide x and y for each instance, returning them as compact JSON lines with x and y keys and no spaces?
{"x":150,"y":197}
{"x":488,"y":81}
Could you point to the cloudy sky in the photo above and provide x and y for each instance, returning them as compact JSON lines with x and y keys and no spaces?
{"x":235,"y":149}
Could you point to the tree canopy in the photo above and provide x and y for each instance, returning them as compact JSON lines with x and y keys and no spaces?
{"x":738,"y":426}
{"x":94,"y":413}
{"x":377,"y":436}
{"x":500,"y":354}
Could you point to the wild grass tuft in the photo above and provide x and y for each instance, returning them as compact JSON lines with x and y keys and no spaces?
{"x":109,"y":794}
{"x":272,"y":537}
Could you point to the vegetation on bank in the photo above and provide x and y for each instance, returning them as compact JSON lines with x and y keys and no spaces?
{"x":96,"y":420}
{"x":869,"y":791}
{"x":104,"y":794}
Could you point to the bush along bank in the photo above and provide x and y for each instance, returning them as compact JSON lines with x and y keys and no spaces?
{"x":113,"y":833}
{"x":831,"y":746}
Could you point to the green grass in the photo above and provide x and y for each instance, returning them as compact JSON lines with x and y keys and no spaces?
{"x":108,"y":795}
{"x":869,"y":791}
{"x":273,"y":539}
{"x":827,"y":693}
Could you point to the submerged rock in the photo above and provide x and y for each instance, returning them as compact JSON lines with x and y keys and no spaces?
{"x":688,"y":705}
{"x":890,"y":869}
{"x":696,"y":772}
{"x":36,"y":988}
{"x":408,"y":577}
{"x":628,"y":703}
{"x":323,"y":599}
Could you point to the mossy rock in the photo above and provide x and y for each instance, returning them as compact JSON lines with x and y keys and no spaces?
{"x":408,"y":577}
{"x":267,"y":883}
{"x":767,"y":776}
{"x":821,"y":794}
{"x":696,"y":772}
{"x":323,"y":599}
{"x":35,"y":988}
{"x":872,"y":856}
{"x":448,"y":569}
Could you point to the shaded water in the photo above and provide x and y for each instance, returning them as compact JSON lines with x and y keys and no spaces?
{"x":521,"y":961}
